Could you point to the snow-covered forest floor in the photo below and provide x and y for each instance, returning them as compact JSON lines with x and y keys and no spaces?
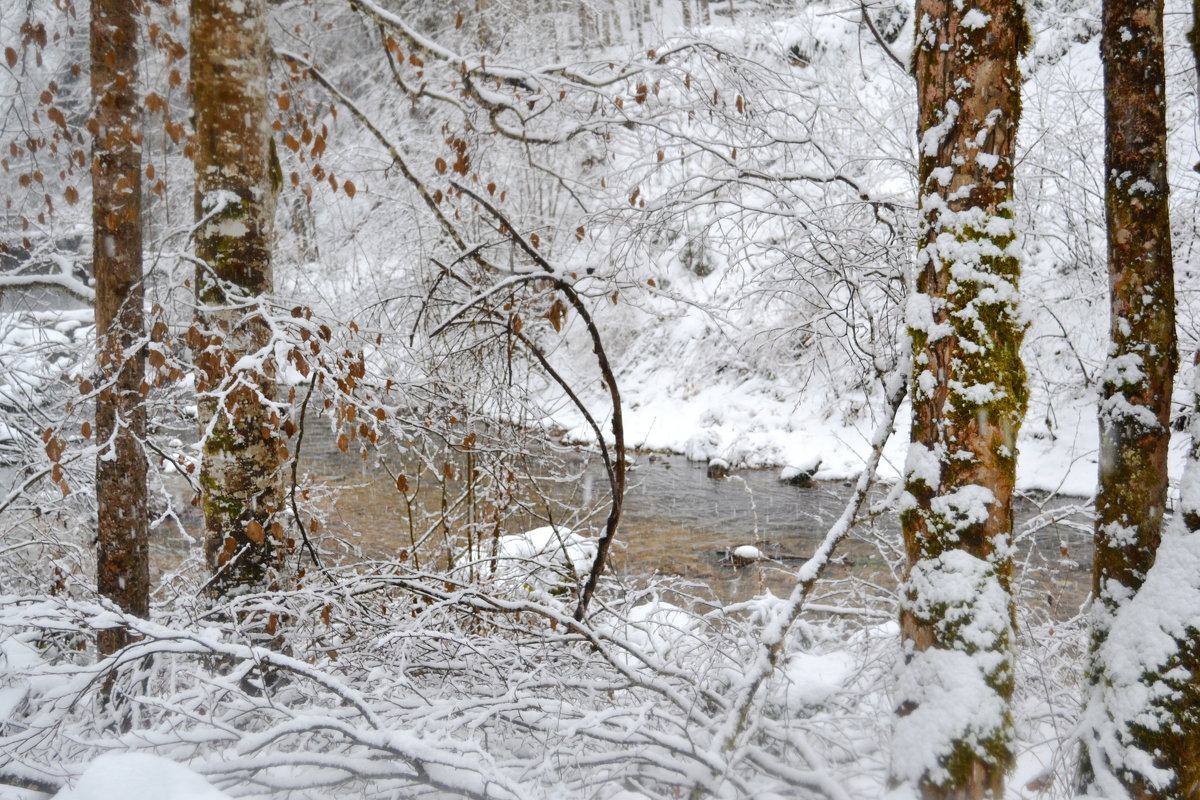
{"x":741,"y":226}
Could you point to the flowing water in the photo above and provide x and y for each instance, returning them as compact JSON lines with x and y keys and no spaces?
{"x":679,"y":522}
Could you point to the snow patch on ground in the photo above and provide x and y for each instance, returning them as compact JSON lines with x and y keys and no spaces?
{"x":139,"y":776}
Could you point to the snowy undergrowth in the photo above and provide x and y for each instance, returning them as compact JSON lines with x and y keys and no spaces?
{"x":393,"y":681}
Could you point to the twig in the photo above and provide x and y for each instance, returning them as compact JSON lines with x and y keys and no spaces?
{"x":879,"y":38}
{"x":775,"y":630}
{"x":617,"y":469}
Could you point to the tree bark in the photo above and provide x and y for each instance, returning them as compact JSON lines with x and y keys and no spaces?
{"x":969,"y":398}
{"x":237,"y":178}
{"x":1141,"y":729}
{"x":1135,"y":397}
{"x":1135,"y":419}
{"x":122,"y":562}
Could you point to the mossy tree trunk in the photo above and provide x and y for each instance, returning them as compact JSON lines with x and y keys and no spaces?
{"x":122,"y":562}
{"x":1135,"y":431}
{"x":1177,"y":742}
{"x":953,"y":733}
{"x":236,"y":184}
{"x":1135,"y":400}
{"x":1141,"y":723}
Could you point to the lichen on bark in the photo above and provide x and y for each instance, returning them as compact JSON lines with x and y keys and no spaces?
{"x":240,"y":480}
{"x":1135,"y":431}
{"x":969,"y":399}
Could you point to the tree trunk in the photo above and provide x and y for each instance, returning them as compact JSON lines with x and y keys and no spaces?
{"x":1135,"y":420}
{"x":1141,"y":727}
{"x":122,"y":563}
{"x":237,"y":177}
{"x":969,"y":398}
{"x":588,"y":28}
{"x":1135,"y":402}
{"x":1194,"y":36}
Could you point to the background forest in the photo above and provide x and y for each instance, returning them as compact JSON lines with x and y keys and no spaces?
{"x":328,"y":495}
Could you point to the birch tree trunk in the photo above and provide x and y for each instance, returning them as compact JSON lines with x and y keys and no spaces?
{"x":122,"y":562}
{"x":953,"y":733}
{"x":236,"y":183}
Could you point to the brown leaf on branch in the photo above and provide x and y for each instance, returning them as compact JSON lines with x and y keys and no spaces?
{"x":556,"y":314}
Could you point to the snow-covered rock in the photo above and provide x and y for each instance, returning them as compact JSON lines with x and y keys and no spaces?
{"x":747,"y":553}
{"x":718,"y":469}
{"x":800,"y":474}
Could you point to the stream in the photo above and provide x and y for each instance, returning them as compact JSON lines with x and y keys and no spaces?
{"x":679,"y":522}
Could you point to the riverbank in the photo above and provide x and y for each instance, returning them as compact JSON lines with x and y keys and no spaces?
{"x":751,"y":426}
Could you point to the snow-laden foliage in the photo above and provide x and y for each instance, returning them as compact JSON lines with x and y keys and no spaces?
{"x":397,"y":681}
{"x":736,"y":211}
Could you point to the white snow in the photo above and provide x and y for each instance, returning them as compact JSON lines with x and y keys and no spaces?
{"x":659,"y":628}
{"x":216,"y":201}
{"x":813,"y":678}
{"x":797,"y":468}
{"x":965,"y":506}
{"x":975,"y":19}
{"x":747,"y":552}
{"x":931,"y":139}
{"x":138,"y":776}
{"x":544,"y":559}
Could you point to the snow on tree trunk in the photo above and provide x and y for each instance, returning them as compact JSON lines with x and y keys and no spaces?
{"x":1135,"y":402}
{"x":1142,"y":721}
{"x":122,"y":562}
{"x":953,"y":731}
{"x":236,"y":184}
{"x":1154,"y":752}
